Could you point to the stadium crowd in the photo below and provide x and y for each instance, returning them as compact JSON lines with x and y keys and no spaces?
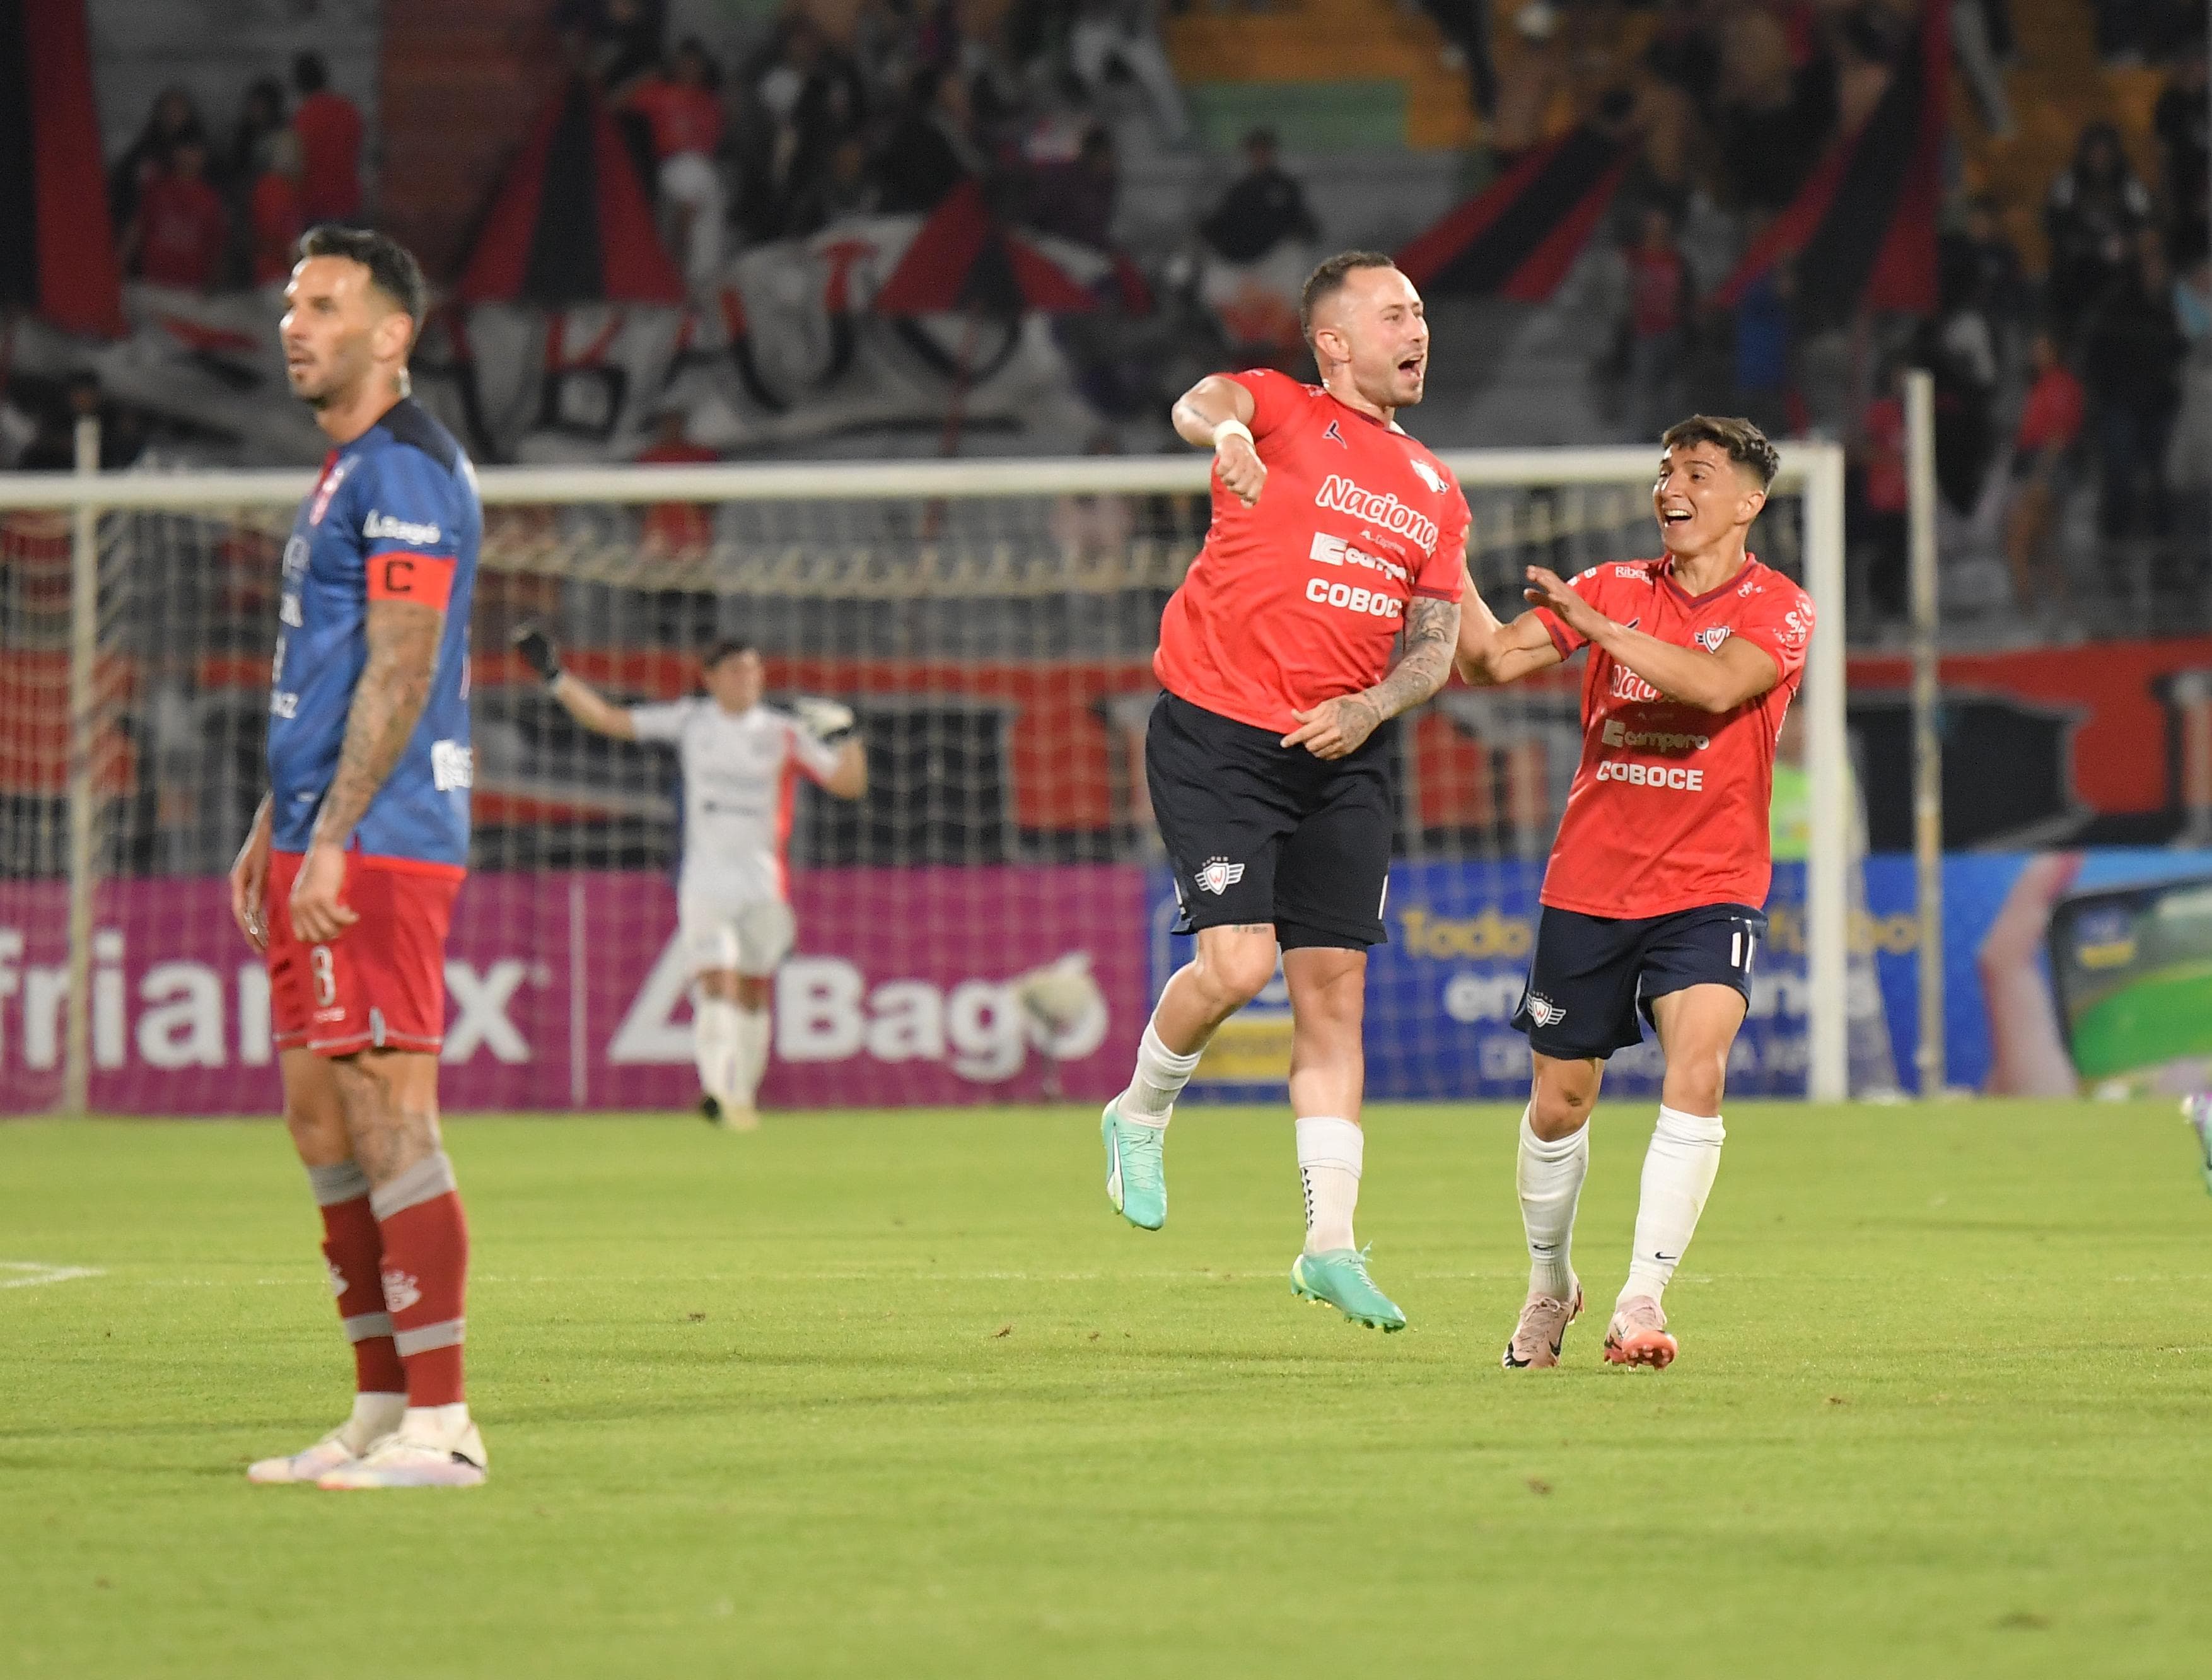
{"x":798,"y":130}
{"x":204,"y":215}
{"x":2084,"y":388}
{"x":2074,"y":383}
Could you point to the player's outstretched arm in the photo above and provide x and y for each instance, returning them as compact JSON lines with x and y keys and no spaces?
{"x":1216,"y":414}
{"x":577,"y":697}
{"x":1715,"y":682}
{"x":387,"y":703}
{"x":1337,"y":728}
{"x":592,"y":709}
{"x":832,"y":724}
{"x":1490,"y":652}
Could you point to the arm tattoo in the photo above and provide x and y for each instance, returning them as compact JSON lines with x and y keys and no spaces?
{"x":388,"y":701}
{"x":1432,"y":634}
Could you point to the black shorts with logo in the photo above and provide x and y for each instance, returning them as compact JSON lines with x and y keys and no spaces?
{"x":1256,"y":831}
{"x":1591,"y":975}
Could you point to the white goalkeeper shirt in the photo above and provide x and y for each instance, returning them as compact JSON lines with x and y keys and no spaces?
{"x":740,"y":772}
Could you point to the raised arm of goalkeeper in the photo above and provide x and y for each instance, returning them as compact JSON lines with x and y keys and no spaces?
{"x":578,"y":697}
{"x":832,"y":723}
{"x":829,"y":722}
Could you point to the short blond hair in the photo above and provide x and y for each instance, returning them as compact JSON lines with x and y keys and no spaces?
{"x":1328,"y":280}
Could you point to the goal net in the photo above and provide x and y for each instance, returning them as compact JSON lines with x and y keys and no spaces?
{"x":989,"y":922}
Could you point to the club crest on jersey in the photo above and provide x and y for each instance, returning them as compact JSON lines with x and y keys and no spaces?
{"x":1711,"y":636}
{"x":328,"y":488}
{"x":1333,"y":435}
{"x":1543,"y":1011}
{"x":1219,"y":876}
{"x":1428,"y":474}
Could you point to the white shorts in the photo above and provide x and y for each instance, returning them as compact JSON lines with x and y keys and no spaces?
{"x":752,"y":938}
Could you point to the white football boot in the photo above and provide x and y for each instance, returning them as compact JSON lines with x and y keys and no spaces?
{"x":425,"y":1451}
{"x":375,"y":1416}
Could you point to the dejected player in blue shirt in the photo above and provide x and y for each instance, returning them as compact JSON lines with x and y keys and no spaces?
{"x":346,"y":881}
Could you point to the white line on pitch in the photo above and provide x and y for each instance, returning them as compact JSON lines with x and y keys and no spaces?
{"x":35,"y":1272}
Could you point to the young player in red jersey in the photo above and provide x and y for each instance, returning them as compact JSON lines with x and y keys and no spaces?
{"x":1651,"y":901}
{"x":1334,"y":534}
{"x":347,"y":878}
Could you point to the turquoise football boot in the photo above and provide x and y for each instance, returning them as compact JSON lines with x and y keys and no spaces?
{"x":1136,"y":1168}
{"x":1338,"y":1278}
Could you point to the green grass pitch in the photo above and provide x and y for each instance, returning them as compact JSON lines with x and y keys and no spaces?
{"x":897,"y":1395}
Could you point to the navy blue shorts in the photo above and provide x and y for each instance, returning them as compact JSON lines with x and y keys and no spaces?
{"x":1591,"y":976}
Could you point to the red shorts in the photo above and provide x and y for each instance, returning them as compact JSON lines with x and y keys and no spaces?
{"x":382,"y":985}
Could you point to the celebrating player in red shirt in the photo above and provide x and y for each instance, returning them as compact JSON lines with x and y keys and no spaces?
{"x":346,"y":881}
{"x":1334,"y":534}
{"x":1652,"y":901}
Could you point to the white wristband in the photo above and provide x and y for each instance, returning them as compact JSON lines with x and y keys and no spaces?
{"x":1232,"y":428}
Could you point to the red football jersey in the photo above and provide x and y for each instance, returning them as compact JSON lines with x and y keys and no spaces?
{"x":1669,"y":808}
{"x":1300,"y":599}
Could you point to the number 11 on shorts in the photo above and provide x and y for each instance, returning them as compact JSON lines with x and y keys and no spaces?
{"x":1741,"y":943}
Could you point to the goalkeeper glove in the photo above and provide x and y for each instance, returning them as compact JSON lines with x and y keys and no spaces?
{"x":827,"y":721}
{"x":539,"y":652}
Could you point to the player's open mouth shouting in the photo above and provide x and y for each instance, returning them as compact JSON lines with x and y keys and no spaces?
{"x":1405,"y":329}
{"x":1693,"y":500}
{"x":1413,"y":369}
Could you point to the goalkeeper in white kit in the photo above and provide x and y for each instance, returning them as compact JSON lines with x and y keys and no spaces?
{"x":740,"y":762}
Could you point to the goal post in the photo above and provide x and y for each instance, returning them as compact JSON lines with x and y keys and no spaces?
{"x":996,"y":619}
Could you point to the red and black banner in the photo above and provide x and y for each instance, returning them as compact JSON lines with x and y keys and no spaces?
{"x":56,"y":246}
{"x":1518,"y":238}
{"x":1862,"y":230}
{"x":963,"y":258}
{"x":571,"y":222}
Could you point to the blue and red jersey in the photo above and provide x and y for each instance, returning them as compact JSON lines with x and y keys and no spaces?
{"x":394,"y":517}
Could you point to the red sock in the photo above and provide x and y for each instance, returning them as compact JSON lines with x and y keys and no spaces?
{"x":356,"y":1254}
{"x":426,"y":1264}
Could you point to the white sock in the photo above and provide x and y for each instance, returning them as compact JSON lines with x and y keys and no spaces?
{"x":1160,"y":1079}
{"x":1549,"y":1176}
{"x":445,"y":1424}
{"x":749,"y":1053}
{"x":1330,"y":1150}
{"x":1678,"y":1175}
{"x":713,"y":1040}
{"x":375,"y":1416}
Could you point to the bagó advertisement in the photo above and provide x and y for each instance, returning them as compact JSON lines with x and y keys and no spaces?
{"x":568,"y":991}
